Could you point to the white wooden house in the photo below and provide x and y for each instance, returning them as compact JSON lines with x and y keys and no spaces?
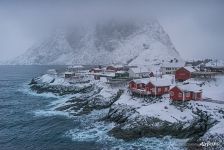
{"x":139,"y":72}
{"x":171,"y":68}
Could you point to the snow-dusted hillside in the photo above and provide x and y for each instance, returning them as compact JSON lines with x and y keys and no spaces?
{"x":111,"y":41}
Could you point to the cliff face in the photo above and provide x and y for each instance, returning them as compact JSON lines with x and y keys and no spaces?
{"x":110,"y":41}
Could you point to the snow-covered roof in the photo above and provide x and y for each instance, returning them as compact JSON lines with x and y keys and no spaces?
{"x":140,"y":70}
{"x":155,"y":81}
{"x":189,"y":68}
{"x":144,"y":80}
{"x":189,"y":87}
{"x":69,"y":72}
{"x":160,"y":81}
{"x":121,"y":72}
{"x":105,"y":74}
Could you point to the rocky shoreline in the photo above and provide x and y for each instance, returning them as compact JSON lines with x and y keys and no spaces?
{"x":130,"y":124}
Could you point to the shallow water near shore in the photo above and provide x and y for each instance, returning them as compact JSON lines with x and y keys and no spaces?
{"x":29,"y":121}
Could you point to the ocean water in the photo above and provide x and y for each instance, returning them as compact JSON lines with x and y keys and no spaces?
{"x":28,"y":120}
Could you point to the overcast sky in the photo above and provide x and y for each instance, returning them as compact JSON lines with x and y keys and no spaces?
{"x":195,"y":27}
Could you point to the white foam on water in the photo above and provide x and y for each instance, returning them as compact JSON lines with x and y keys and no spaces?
{"x":92,"y":131}
{"x":60,"y":101}
{"x":167,"y":143}
{"x":26,"y":90}
{"x":99,"y":133}
{"x":49,"y":113}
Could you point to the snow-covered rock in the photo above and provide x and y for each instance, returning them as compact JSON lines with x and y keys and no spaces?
{"x":214,"y":138}
{"x":137,"y":117}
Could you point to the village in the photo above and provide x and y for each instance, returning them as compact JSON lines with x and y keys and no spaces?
{"x":176,"y":81}
{"x":141,"y":100}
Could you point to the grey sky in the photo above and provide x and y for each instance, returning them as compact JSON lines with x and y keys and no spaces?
{"x":195,"y":27}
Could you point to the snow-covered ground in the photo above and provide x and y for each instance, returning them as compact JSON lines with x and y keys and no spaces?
{"x":161,"y":108}
{"x":166,"y":112}
{"x":217,"y":129}
{"x":214,"y":89}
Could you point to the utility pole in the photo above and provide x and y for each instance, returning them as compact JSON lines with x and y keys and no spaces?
{"x":183,"y":96}
{"x":156,"y":75}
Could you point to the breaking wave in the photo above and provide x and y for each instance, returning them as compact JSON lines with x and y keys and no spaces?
{"x":49,"y":113}
{"x":92,"y":131}
{"x":98,"y":133}
{"x":26,"y":90}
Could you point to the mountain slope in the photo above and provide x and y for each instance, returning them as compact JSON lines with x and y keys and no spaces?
{"x":113,"y":41}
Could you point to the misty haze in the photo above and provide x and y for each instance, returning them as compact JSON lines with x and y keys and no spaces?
{"x":111,"y":75}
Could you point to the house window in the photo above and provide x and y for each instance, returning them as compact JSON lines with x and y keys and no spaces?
{"x":180,"y":94}
{"x":199,"y":95}
{"x":166,"y":89}
{"x":133,"y":85}
{"x":171,"y":93}
{"x":159,"y":89}
{"x":188,"y":94}
{"x":140,"y":86}
{"x":153,"y":90}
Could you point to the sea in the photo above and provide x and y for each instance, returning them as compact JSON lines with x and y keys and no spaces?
{"x":28,"y":121}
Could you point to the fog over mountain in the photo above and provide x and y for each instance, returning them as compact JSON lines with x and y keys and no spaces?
{"x":195,"y":27}
{"x":113,"y":40}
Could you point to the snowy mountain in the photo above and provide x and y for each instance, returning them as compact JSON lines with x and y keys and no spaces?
{"x":135,"y":42}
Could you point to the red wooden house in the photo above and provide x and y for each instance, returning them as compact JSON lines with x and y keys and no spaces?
{"x":157,"y":87}
{"x":186,"y":93}
{"x":138,"y":86}
{"x":132,"y":85}
{"x":152,"y":86}
{"x":184,"y":73}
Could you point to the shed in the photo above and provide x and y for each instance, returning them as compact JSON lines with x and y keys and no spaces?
{"x":171,"y":68}
{"x":184,"y":73}
{"x":158,"y":86}
{"x":69,"y":74}
{"x":139,"y":72}
{"x":151,"y":87}
{"x":186,"y":93}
